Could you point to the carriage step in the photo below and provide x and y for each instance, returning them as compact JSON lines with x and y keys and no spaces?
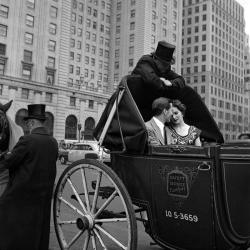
{"x":104,"y":191}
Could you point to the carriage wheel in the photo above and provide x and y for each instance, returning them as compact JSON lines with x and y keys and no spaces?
{"x":92,"y":209}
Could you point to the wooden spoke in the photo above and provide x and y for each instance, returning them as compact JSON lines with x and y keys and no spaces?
{"x":96,"y":192}
{"x":86,"y":242}
{"x":100,"y":239}
{"x":71,"y":206}
{"x":111,"y":237}
{"x":77,"y":196}
{"x":111,"y":220}
{"x":85,"y":189}
{"x":93,"y":242}
{"x":75,"y":238}
{"x":106,"y":203}
{"x":66,"y":222}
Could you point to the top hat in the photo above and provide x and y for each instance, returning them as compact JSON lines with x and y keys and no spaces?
{"x":36,"y":111}
{"x":165,"y":51}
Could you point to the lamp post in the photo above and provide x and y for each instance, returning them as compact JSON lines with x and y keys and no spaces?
{"x":79,"y":127}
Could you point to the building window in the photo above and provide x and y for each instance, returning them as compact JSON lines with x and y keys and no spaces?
{"x":52,"y":28}
{"x":131,"y":38}
{"x":81,"y":6}
{"x":80,"y":19}
{"x":48,"y":97}
{"x":130,"y":62}
{"x":2,"y":49}
{"x":52,"y":45}
{"x":78,"y":57}
{"x":91,"y":104}
{"x":132,"y":13}
{"x":2,"y":67}
{"x":72,"y":101}
{"x":4,"y":11}
{"x":78,"y":71}
{"x":73,"y":17}
{"x":70,"y":82}
{"x":53,"y":11}
{"x":79,"y":45}
{"x":25,"y":94}
{"x":71,"y":69}
{"x":28,"y":38}
{"x":50,"y":77}
{"x":119,"y":6}
{"x":72,"y":43}
{"x":30,"y":4}
{"x":132,"y":25}
{"x":29,"y":20}
{"x":27,"y":56}
{"x":3,"y":30}
{"x":203,"y":89}
{"x":71,"y":127}
{"x":51,"y":62}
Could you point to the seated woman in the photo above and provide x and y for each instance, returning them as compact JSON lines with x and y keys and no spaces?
{"x":178,"y":132}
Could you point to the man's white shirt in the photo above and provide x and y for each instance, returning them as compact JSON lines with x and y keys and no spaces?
{"x":160,"y":125}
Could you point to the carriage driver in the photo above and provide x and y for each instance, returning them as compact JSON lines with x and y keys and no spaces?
{"x":155,"y":70}
{"x":26,"y":202}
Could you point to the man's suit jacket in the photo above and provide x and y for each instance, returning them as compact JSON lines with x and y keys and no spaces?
{"x":25,"y":204}
{"x":154,"y":134}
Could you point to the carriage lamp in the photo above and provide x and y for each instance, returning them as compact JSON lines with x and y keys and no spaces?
{"x":79,"y":127}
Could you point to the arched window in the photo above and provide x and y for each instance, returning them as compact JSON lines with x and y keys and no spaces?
{"x":21,"y":113}
{"x":89,"y":128}
{"x":71,"y":128}
{"x":49,"y":123}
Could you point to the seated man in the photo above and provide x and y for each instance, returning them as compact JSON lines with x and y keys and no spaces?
{"x":161,"y":109}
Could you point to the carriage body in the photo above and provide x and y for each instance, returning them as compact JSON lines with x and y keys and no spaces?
{"x":195,"y":197}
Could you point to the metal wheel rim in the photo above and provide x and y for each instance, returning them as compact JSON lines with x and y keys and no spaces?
{"x":92,"y":233}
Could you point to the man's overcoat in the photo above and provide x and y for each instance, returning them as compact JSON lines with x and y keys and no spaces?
{"x":147,"y":68}
{"x":25,"y":205}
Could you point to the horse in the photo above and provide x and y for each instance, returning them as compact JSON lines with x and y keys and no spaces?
{"x":10,"y":133}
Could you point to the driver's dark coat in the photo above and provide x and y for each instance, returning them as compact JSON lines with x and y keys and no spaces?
{"x":146,"y":67}
{"x":25,"y":204}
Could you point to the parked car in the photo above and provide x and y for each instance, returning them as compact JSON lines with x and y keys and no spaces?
{"x":244,"y":136}
{"x":64,"y":147}
{"x":63,"y":155}
{"x":84,"y":150}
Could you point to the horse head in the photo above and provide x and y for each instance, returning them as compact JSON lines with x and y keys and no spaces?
{"x":4,"y":127}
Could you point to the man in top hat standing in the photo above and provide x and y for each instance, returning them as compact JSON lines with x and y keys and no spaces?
{"x":155,"y":70}
{"x":25,"y":204}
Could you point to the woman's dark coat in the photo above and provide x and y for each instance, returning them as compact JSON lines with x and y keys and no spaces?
{"x":25,"y":205}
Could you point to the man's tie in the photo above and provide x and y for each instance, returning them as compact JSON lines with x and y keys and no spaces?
{"x":165,"y":135}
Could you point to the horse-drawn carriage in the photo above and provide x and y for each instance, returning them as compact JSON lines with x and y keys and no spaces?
{"x":187,"y":197}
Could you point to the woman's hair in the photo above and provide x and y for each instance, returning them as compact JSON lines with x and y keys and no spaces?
{"x":179,"y":105}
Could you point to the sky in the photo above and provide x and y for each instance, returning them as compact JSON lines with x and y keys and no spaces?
{"x":246,"y":5}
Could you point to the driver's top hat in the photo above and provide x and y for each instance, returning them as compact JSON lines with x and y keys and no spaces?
{"x":165,"y":51}
{"x":36,"y":111}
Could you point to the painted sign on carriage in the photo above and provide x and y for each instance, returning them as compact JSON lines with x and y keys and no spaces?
{"x":177,"y":184}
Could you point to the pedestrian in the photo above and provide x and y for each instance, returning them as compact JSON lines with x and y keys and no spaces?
{"x":155,"y":70}
{"x":26,"y":203}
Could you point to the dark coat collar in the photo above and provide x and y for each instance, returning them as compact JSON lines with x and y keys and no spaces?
{"x":40,"y":130}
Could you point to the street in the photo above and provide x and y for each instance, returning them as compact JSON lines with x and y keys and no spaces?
{"x":143,"y":239}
